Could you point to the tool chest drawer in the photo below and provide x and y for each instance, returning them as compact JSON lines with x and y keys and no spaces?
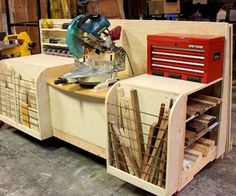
{"x":189,"y":57}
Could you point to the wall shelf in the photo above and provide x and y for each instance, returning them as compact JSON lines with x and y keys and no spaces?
{"x":55,"y":29}
{"x":55,"y":45}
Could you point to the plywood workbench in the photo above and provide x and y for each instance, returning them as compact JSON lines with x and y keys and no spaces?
{"x":78,"y":115}
{"x":133,"y":39}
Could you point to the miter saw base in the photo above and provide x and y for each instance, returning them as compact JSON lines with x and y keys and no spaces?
{"x":93,"y":80}
{"x":99,"y":78}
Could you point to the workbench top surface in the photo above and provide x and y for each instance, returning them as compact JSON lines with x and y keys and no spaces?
{"x":77,"y":89}
{"x":41,"y":60}
{"x":171,"y":85}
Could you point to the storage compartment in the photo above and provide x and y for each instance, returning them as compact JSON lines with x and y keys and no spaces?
{"x":24,"y":99}
{"x":173,"y":125}
{"x":138,"y":139}
{"x":201,"y":135}
{"x":16,"y":95}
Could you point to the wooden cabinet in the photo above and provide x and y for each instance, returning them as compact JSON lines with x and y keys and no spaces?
{"x":24,"y":97}
{"x":148,"y":134}
{"x":78,"y":113}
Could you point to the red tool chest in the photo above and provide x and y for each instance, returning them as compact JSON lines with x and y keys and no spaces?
{"x":189,"y":57}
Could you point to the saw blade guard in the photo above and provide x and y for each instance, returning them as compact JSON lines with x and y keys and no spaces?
{"x":74,"y":44}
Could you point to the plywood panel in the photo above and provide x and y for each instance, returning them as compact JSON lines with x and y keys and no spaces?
{"x":34,"y":36}
{"x":1,"y":25}
{"x":31,"y":10}
{"x":79,"y":116}
{"x":2,"y":14}
{"x":20,"y":10}
{"x":108,"y":8}
{"x":73,"y":8}
{"x":44,"y":12}
{"x":134,"y":38}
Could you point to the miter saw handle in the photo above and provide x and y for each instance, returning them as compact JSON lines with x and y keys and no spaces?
{"x":115,"y":33}
{"x":60,"y":81}
{"x":86,"y":17}
{"x":93,"y":24}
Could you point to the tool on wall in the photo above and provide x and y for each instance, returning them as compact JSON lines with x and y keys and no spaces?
{"x":56,"y":6}
{"x":16,"y":45}
{"x":97,"y":57}
{"x":82,"y":6}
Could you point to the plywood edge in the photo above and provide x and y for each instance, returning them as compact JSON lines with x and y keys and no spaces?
{"x":20,"y":127}
{"x":43,"y":106}
{"x":75,"y":89}
{"x":176,"y":131}
{"x":223,"y":132}
{"x":110,"y":98}
{"x":92,"y":148}
{"x":137,"y":181}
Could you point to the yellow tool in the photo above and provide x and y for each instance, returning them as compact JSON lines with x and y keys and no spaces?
{"x":56,"y":6}
{"x":22,"y":45}
{"x":55,"y":9}
{"x":65,"y":9}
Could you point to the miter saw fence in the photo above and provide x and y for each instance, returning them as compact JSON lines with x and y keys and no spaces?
{"x":98,"y":59}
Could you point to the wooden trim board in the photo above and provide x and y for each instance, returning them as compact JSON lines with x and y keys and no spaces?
{"x":137,"y":181}
{"x":20,"y":127}
{"x":92,"y":148}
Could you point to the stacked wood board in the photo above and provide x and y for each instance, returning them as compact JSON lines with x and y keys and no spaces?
{"x":7,"y":102}
{"x":137,"y":147}
{"x":199,"y":125}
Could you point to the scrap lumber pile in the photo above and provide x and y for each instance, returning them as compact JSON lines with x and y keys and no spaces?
{"x":200,"y":104}
{"x":200,"y":124}
{"x":137,"y":147}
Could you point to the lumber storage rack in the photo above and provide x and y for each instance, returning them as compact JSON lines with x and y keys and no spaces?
{"x":149,"y":144}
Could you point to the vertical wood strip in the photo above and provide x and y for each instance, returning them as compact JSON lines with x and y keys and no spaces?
{"x":138,"y":125}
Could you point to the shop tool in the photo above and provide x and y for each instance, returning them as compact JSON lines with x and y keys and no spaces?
{"x":16,"y":45}
{"x":97,"y":58}
{"x":197,"y":58}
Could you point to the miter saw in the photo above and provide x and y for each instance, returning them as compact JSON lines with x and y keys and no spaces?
{"x":97,"y":58}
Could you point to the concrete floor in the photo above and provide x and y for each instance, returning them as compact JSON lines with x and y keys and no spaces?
{"x":32,"y":168}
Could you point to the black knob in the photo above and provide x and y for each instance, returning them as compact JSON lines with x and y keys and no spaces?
{"x":60,"y":81}
{"x":32,"y":45}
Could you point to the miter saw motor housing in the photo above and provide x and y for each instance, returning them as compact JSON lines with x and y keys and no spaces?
{"x":97,"y":58}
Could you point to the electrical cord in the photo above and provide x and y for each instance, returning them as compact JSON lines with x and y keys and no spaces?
{"x":130,"y":64}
